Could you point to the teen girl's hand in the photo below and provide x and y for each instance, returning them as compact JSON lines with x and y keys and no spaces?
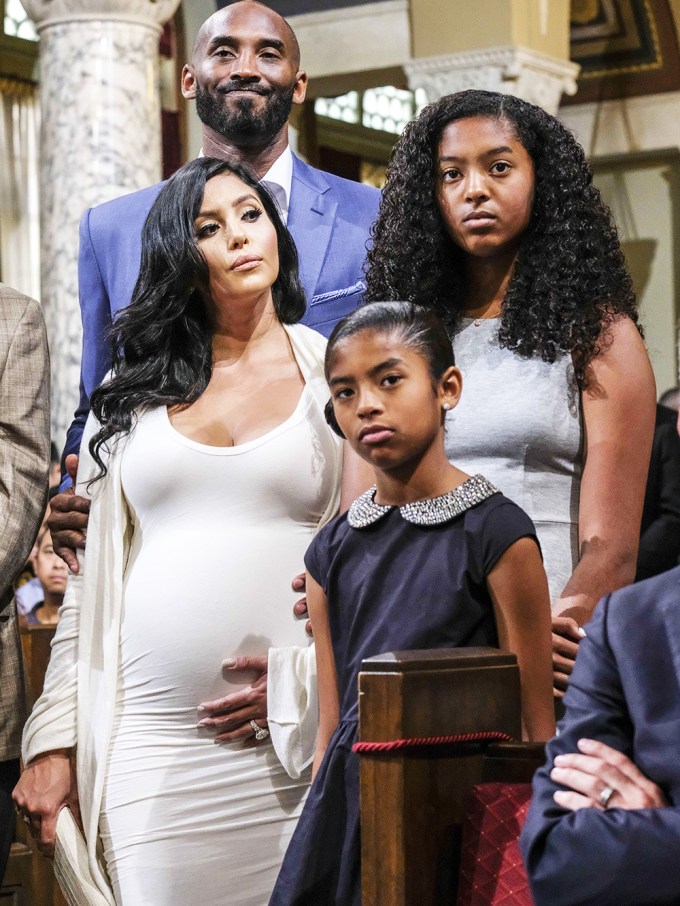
{"x":566,"y":635}
{"x":602,"y":778}
{"x":67,"y":522}
{"x":230,"y":716}
{"x":47,"y":785}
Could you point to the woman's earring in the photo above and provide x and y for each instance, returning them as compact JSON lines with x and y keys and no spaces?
{"x":446,"y":406}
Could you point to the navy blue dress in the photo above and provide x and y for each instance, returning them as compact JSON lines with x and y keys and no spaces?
{"x":392,"y":584}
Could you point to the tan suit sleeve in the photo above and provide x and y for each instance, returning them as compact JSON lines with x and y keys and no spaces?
{"x":24,"y":435}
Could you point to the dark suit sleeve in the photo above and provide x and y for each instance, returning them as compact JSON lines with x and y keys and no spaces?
{"x":660,"y":540}
{"x":24,"y":443}
{"x":591,"y":857}
{"x":95,"y":312}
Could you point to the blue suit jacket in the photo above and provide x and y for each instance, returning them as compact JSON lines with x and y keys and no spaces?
{"x":329,"y":219}
{"x":625,"y":691}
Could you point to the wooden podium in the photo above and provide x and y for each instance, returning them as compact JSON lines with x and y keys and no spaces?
{"x":413,"y":800}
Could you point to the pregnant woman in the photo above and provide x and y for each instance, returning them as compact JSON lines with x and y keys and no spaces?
{"x":210,"y":468}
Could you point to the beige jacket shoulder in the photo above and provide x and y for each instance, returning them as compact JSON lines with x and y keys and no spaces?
{"x":24,"y":464}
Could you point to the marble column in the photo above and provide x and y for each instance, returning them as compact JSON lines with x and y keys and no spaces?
{"x":528,"y":74}
{"x":100,"y":138}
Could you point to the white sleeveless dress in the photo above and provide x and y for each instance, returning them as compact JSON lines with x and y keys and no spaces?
{"x":219,"y":534}
{"x":519,"y":423}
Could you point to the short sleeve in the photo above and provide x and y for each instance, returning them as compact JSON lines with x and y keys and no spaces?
{"x":316,"y":558}
{"x":324,"y":549}
{"x":313,"y":557}
{"x":504,"y":524}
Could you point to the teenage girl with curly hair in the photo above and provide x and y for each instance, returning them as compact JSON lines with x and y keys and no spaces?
{"x":489,"y":217}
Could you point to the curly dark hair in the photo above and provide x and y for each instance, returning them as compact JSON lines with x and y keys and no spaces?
{"x":570,"y":279}
{"x":162,"y":342}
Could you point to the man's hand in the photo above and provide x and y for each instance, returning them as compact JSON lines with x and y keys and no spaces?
{"x":602,"y":778}
{"x":300,"y":607}
{"x":566,"y":635}
{"x":47,"y":785}
{"x":231,"y":715}
{"x":68,"y":519}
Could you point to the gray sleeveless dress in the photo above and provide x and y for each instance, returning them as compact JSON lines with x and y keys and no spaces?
{"x":519,"y":424}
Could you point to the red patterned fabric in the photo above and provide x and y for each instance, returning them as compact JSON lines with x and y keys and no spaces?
{"x":491,"y":869}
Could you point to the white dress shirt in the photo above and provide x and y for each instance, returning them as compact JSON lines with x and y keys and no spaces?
{"x":278,"y":180}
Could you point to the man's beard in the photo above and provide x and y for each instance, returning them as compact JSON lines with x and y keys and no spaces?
{"x":238,"y":122}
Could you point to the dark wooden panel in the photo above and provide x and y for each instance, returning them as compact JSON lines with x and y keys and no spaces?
{"x":36,"y":640}
{"x":412,"y":805}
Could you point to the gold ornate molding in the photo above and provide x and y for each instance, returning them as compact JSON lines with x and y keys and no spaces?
{"x":152,"y":13}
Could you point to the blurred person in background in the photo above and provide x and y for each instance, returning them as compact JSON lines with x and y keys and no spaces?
{"x":28,"y":592}
{"x":52,"y":574}
{"x":660,"y":529}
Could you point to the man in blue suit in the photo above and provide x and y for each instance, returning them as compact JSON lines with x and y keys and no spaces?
{"x":245,"y":76}
{"x":604,"y":823}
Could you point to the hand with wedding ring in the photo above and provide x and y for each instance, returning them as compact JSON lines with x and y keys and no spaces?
{"x":233,"y":716}
{"x":260,"y":732}
{"x":601,"y":777}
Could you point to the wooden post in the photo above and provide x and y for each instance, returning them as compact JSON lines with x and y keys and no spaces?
{"x":412,"y":804}
{"x":36,"y":642}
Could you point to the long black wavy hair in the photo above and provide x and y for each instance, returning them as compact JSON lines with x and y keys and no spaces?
{"x":570,"y":279}
{"x":162,"y":342}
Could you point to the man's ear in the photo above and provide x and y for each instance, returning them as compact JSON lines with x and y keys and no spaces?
{"x":300,"y":90}
{"x":188,"y":82}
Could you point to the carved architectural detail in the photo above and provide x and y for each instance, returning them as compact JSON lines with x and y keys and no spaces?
{"x":100,"y":138}
{"x":533,"y":76}
{"x":153,"y":13}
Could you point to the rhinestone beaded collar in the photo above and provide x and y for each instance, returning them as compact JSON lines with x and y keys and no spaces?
{"x":435,"y":511}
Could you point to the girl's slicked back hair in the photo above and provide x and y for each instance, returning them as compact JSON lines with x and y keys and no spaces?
{"x":416,"y":327}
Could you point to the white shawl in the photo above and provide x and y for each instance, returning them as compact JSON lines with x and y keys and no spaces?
{"x":79,"y":696}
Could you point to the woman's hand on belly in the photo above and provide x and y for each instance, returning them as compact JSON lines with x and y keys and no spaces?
{"x":230,"y":716}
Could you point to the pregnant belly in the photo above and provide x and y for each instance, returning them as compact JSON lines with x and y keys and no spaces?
{"x":186,"y":610}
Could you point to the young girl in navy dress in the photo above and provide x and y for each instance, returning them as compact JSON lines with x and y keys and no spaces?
{"x":428,"y":558}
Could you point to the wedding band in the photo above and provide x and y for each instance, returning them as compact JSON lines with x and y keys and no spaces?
{"x":24,"y":817}
{"x":605,"y":796}
{"x":260,"y":732}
